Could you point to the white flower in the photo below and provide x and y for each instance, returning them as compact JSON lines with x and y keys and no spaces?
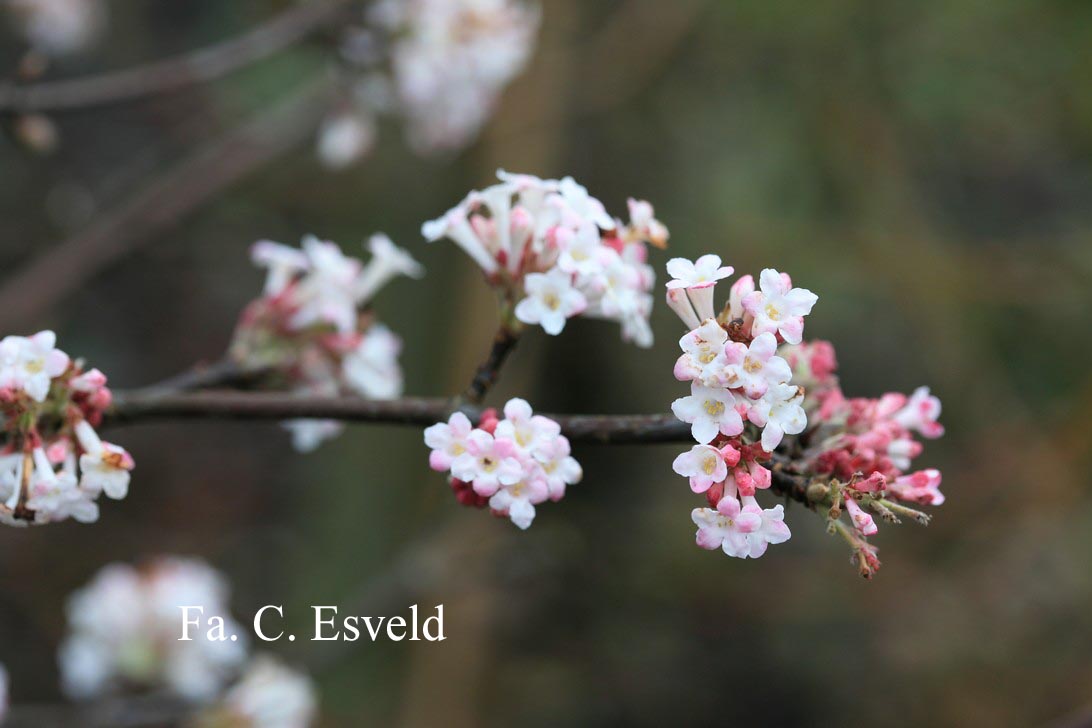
{"x":703,"y":353}
{"x":779,"y":413}
{"x":679,"y":302}
{"x":705,"y":271}
{"x":643,"y":224}
{"x":450,"y":60}
{"x":284,"y":264}
{"x":327,"y":294}
{"x":308,"y":434}
{"x":344,"y":138}
{"x":518,"y":500}
{"x":580,"y":248}
{"x":455,"y":225}
{"x":550,"y":300}
{"x":921,"y":413}
{"x":104,"y":467}
{"x":372,"y":367}
{"x":577,"y":206}
{"x":528,"y":430}
{"x":559,"y":468}
{"x":448,"y":440}
{"x":270,"y":695}
{"x":31,"y":363}
{"x":711,"y":411}
{"x":704,"y":465}
{"x":488,"y":463}
{"x":753,"y":369}
{"x":55,"y":496}
{"x":388,"y":261}
{"x":778,"y":307}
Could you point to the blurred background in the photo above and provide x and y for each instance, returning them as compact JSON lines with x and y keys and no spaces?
{"x":925,"y":168}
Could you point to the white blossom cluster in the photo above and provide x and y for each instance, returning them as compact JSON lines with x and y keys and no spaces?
{"x":312,"y":325}
{"x":438,"y":64}
{"x":58,"y":27}
{"x":124,"y":629}
{"x":510,"y":464}
{"x":557,"y":253}
{"x":53,"y":464}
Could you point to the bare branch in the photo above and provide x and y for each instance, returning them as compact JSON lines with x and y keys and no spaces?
{"x":161,"y":203}
{"x":202,"y":65}
{"x":486,"y":375}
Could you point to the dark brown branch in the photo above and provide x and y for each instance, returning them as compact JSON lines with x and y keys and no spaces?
{"x":203,"y":65}
{"x":161,"y":203}
{"x":488,"y":371}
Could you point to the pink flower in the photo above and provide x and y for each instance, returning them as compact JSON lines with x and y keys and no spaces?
{"x":778,"y":307}
{"x":920,"y":487}
{"x":559,"y":468}
{"x":921,"y":413}
{"x":704,"y":465}
{"x":754,"y":368}
{"x":771,"y":530}
{"x":779,"y":413}
{"x":448,"y":441}
{"x":528,"y":430}
{"x":727,"y":527}
{"x":698,"y":278}
{"x":488,"y":463}
{"x":518,"y":500}
{"x":551,"y":299}
{"x":862,"y":521}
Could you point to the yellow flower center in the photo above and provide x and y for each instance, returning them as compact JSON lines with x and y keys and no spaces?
{"x":714,"y":408}
{"x":710,"y":465}
{"x":35,"y":365}
{"x":552,"y":301}
{"x":751,"y":365}
{"x":772,"y":313}
{"x":707,"y":355}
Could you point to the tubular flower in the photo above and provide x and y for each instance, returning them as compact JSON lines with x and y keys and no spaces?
{"x":509,"y":464}
{"x":850,"y":456}
{"x":53,"y":465}
{"x":554,"y":253}
{"x":313,"y":329}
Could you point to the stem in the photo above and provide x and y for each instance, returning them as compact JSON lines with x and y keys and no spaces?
{"x":199,"y":66}
{"x":488,"y":371}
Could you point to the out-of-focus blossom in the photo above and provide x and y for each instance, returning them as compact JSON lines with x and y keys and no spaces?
{"x":344,"y":138}
{"x":510,"y":464}
{"x":59,"y":27}
{"x":125,"y":625}
{"x":313,"y":327}
{"x":269,"y":695}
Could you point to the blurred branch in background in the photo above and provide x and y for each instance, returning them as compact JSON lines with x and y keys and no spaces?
{"x":199,"y":66}
{"x":162,"y":202}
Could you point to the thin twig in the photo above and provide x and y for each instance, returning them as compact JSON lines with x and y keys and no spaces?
{"x":199,"y":66}
{"x":162,"y":202}
{"x":488,"y":371}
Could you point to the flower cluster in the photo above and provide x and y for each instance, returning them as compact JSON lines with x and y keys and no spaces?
{"x":53,"y":465}
{"x":312,"y":326}
{"x":739,"y":387}
{"x":555,"y":253}
{"x":124,"y":629}
{"x":59,"y":27}
{"x":124,"y":634}
{"x":510,"y":464}
{"x":439,"y":64}
{"x":861,"y":449}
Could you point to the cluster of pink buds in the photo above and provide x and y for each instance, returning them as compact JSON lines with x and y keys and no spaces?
{"x":554,"y":252}
{"x":313,"y":329}
{"x":510,"y":464}
{"x":53,"y":465}
{"x":742,"y":402}
{"x":859,"y":451}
